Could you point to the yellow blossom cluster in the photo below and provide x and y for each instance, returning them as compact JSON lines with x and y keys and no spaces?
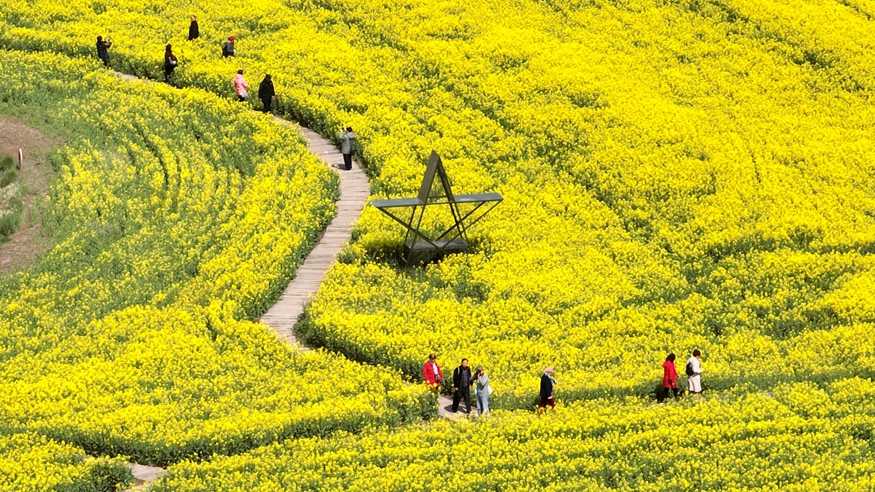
{"x":673,"y":177}
{"x":34,"y":463}
{"x":676,"y":175}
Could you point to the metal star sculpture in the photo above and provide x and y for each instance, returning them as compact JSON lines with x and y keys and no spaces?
{"x":437,"y":193}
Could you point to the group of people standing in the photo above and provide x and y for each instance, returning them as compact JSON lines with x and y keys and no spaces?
{"x":693,"y":370}
{"x":266,"y":90}
{"x":464,"y":381}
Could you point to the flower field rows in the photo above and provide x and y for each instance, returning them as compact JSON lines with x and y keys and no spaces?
{"x":804,"y":437}
{"x":693,"y":174}
{"x":673,"y":177}
{"x":177,"y":217}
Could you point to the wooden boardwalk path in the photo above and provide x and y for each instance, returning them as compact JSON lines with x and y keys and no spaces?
{"x":144,"y":476}
{"x":354,"y":190}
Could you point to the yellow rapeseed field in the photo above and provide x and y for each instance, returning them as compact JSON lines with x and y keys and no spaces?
{"x":676,"y":175}
{"x":799,"y":438}
{"x":175,"y":216}
{"x":34,"y":463}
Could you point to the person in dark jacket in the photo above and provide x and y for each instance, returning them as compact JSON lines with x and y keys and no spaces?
{"x":103,"y":49}
{"x":194,"y":31}
{"x":266,"y":92}
{"x":547,"y":395}
{"x":462,"y":382}
{"x":228,"y":48}
{"x":669,"y":379}
{"x":348,"y":144}
{"x":170,"y":62}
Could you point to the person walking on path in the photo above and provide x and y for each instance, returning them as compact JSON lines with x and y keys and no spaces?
{"x":547,"y":395}
{"x":669,"y":379}
{"x":228,"y":48}
{"x":432,"y":374}
{"x":103,"y":50}
{"x":694,"y":372}
{"x":484,"y":390}
{"x":194,"y":30}
{"x":266,"y":93}
{"x":462,"y":382}
{"x":170,"y":62}
{"x":241,"y":87}
{"x":348,"y":146}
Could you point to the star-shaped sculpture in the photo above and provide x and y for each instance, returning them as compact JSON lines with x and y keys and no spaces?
{"x":436,"y":191}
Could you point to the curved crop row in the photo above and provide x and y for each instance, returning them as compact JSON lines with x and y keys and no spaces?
{"x":800,"y":437}
{"x":176,"y":217}
{"x":34,"y":463}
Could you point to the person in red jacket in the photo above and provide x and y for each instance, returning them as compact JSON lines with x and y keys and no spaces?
{"x":669,"y":379}
{"x":432,"y":374}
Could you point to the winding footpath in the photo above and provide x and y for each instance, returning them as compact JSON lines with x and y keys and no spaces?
{"x":284,"y":315}
{"x":354,"y":189}
{"x":144,"y":476}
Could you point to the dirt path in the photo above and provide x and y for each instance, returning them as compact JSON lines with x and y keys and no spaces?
{"x":28,"y":242}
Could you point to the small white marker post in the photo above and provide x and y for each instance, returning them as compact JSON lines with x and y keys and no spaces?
{"x":20,"y":158}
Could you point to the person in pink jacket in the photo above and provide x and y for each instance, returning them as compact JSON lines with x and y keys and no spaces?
{"x":241,"y":87}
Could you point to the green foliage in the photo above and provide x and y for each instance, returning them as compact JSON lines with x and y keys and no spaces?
{"x":10,"y":198}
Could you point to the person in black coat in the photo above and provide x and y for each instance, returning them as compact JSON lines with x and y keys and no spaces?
{"x":103,"y":50}
{"x":194,"y":30}
{"x":228,"y":49}
{"x":546,"y":396}
{"x":462,"y":382}
{"x":266,"y":92}
{"x":170,"y":62}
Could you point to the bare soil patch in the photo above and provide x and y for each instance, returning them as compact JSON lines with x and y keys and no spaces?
{"x":28,"y":242}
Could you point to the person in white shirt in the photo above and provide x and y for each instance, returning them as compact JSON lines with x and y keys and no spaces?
{"x":694,"y":372}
